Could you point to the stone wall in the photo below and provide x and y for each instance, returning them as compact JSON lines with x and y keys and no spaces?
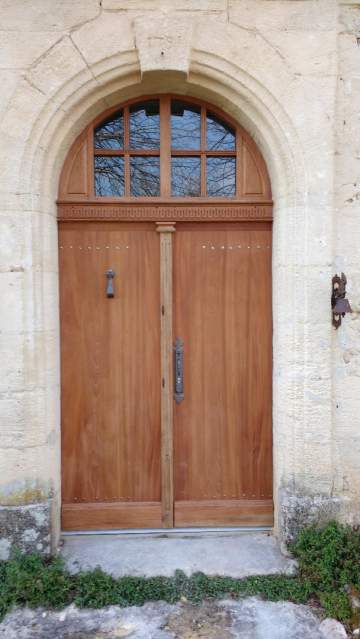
{"x":288,"y":70}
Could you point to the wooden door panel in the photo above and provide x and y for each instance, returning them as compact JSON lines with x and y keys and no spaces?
{"x":222,"y":512}
{"x":222,"y":437}
{"x":110,"y":359}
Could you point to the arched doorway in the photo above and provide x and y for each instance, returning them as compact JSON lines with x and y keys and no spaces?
{"x":165,"y":217}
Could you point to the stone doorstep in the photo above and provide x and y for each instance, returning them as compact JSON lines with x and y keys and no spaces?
{"x":248,"y":618}
{"x":236,"y":555}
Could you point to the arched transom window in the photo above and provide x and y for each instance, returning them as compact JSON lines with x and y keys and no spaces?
{"x":164,"y":147}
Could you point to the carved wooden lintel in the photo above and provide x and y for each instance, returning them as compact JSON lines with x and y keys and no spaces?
{"x":175,"y":212}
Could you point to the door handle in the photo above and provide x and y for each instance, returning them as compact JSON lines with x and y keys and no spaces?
{"x":179,"y":370}
{"x":110,"y":274}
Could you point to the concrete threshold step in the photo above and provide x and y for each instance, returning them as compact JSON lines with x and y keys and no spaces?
{"x":234,"y":554}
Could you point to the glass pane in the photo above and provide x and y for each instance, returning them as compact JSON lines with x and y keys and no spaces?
{"x":109,"y":176}
{"x":185,"y":125}
{"x":219,"y":135}
{"x":220,"y":176}
{"x":145,"y":125}
{"x":110,"y":134}
{"x":185,"y":176}
{"x":145,"y":176}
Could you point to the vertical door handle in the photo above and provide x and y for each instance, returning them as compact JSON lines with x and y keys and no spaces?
{"x":179,"y":370}
{"x":110,"y":274}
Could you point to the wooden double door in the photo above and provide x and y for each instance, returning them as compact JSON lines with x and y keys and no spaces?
{"x":153,"y":437}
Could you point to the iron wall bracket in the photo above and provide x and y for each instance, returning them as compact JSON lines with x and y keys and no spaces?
{"x":339,"y":304}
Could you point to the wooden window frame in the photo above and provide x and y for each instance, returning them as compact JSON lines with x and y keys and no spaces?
{"x":165,"y":151}
{"x":77,"y":200}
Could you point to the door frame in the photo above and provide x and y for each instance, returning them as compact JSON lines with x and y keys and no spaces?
{"x":77,"y":202}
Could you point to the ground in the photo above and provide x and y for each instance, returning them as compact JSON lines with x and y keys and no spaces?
{"x":250,"y":618}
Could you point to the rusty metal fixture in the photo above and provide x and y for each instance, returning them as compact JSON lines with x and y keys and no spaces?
{"x":339,"y":304}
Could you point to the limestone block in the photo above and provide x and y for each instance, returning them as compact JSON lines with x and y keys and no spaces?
{"x":28,"y":241}
{"x":247,"y":50}
{"x":12,"y":289}
{"x":28,"y":471}
{"x":42,"y":311}
{"x":163,"y":43}
{"x":29,"y":361}
{"x":349,"y":17}
{"x":11,"y":158}
{"x":19,"y":50}
{"x":32,"y":301}
{"x":348,"y":235}
{"x":15,"y":247}
{"x":29,"y":418}
{"x":312,"y":15}
{"x":23,"y":109}
{"x":8,"y":81}
{"x":349,"y":54}
{"x":353,"y":288}
{"x":164,"y":5}
{"x":317,"y":249}
{"x":309,"y":101}
{"x":44,"y":241}
{"x":59,"y":66}
{"x":314,"y":249}
{"x":40,"y":15}
{"x":347,"y":406}
{"x":105,"y":37}
{"x":303,"y":51}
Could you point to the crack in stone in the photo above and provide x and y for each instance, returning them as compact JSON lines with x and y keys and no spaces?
{"x":85,"y":61}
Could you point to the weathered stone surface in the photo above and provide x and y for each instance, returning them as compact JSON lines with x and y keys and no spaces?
{"x":235,"y":555}
{"x":38,"y":15}
{"x":13,"y":53}
{"x":288,"y":15}
{"x":164,"y":5}
{"x":56,"y":67}
{"x":27,"y":527}
{"x":245,"y":619}
{"x":107,"y":36}
{"x":298,"y":511}
{"x":163,"y":43}
{"x":332,"y":629}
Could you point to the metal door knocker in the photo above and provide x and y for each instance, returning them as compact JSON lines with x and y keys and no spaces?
{"x":110,"y":274}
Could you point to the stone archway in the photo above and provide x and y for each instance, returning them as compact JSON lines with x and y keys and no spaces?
{"x":170,"y":54}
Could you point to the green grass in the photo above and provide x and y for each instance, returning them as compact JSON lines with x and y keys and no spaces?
{"x":329,"y":558}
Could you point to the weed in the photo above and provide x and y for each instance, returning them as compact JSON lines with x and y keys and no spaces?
{"x":329,"y":559}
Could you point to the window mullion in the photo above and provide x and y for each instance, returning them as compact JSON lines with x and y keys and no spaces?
{"x":203,"y":151}
{"x":126,"y":151}
{"x":165,"y":147}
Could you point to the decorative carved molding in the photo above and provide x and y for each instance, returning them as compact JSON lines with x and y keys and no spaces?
{"x":173,"y":212}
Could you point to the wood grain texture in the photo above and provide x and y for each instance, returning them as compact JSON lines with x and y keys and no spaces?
{"x":150,"y":211}
{"x":110,"y":364}
{"x":75,"y":176}
{"x":111,"y":515}
{"x":234,"y":512}
{"x":223,"y":429}
{"x":166,"y":299}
